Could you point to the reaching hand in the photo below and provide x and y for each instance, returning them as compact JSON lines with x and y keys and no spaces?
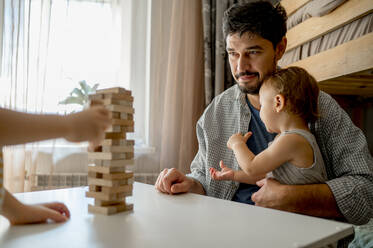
{"x":238,"y":138}
{"x":88,"y":125}
{"x":226,"y":173}
{"x":29,"y":214}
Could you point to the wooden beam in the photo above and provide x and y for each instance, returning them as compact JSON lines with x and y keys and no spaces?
{"x":315,"y":27}
{"x":338,"y":90}
{"x":292,"y":5}
{"x":345,"y":59}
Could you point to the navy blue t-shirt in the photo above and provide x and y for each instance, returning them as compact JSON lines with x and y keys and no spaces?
{"x":256,"y":143}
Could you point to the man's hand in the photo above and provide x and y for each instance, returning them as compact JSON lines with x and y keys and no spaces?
{"x":172,"y":181}
{"x":226,"y":173}
{"x":238,"y":138}
{"x":312,"y":199}
{"x":270,"y":194}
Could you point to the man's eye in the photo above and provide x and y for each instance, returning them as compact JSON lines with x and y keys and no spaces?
{"x":254,"y":52}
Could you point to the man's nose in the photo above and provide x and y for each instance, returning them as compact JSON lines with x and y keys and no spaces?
{"x":243,"y":64}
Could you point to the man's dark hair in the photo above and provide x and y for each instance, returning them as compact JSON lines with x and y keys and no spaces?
{"x":260,"y":18}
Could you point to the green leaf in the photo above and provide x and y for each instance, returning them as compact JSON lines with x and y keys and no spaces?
{"x":94,"y":88}
{"x":77,"y":92}
{"x":72,"y":100}
{"x":85,"y":87}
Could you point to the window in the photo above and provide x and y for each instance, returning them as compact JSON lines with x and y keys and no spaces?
{"x":50,"y":45}
{"x":59,"y":43}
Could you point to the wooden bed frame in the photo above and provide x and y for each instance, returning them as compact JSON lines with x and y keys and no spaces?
{"x":346,"y":69}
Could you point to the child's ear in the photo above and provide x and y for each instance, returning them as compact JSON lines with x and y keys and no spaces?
{"x":279,"y":103}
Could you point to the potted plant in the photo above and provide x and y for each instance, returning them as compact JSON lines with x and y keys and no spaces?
{"x":80,"y":95}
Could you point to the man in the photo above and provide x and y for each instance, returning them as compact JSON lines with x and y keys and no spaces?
{"x":255,"y":40}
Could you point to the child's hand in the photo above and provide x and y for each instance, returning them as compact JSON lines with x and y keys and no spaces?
{"x":238,"y":139}
{"x":29,"y":214}
{"x":226,"y":173}
{"x":88,"y":125}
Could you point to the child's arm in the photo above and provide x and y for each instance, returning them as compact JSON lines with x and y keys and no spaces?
{"x":281,"y":151}
{"x":18,"y":213}
{"x":18,"y":127}
{"x":227,"y":173}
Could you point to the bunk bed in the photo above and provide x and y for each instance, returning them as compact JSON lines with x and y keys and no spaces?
{"x":333,"y":40}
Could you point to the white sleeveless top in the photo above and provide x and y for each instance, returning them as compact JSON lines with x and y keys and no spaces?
{"x":288,"y":173}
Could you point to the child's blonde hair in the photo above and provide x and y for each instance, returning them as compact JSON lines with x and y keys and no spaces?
{"x":299,"y":89}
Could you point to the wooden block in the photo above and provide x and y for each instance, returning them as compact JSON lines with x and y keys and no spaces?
{"x":108,"y":155}
{"x":124,"y":116}
{"x":115,"y":115}
{"x":129,"y":155}
{"x":108,"y":210}
{"x":95,"y":97}
{"x":117,"y":175}
{"x":120,"y":122}
{"x":94,"y":174}
{"x":102,"y":203}
{"x":119,"y":97}
{"x":119,"y":108}
{"x":103,"y":169}
{"x":95,"y":188}
{"x":107,"y":197}
{"x":113,"y":163}
{"x":106,"y":182}
{"x":110,"y":101}
{"x":117,"y":189}
{"x":118,"y":149}
{"x":127,"y":188}
{"x":115,"y":90}
{"x":118,"y":142}
{"x":116,"y":135}
{"x":114,"y":129}
{"x":128,"y":129}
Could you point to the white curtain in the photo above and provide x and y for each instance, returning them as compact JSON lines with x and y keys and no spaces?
{"x":177,"y":85}
{"x":47,"y":47}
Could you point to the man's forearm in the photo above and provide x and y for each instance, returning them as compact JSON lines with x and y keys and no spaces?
{"x":196,"y":187}
{"x":314,"y":200}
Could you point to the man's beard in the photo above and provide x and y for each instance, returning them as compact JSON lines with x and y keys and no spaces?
{"x":250,"y":89}
{"x":254,"y":89}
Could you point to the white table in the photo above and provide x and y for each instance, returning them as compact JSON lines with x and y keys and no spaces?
{"x":161,"y":220}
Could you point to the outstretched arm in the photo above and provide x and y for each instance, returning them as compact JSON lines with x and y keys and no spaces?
{"x":256,"y":166}
{"x":227,"y":173}
{"x":17,"y":127}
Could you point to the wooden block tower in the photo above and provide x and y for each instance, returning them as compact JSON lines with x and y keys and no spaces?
{"x":108,"y":179}
{"x":1,"y":177}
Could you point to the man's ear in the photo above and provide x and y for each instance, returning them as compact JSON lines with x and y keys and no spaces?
{"x":280,"y":48}
{"x":279,"y":103}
